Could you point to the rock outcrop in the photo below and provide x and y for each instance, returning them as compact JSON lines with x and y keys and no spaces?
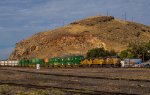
{"x":80,"y":36}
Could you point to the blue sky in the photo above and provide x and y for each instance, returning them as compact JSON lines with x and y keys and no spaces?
{"x":20,"y":19}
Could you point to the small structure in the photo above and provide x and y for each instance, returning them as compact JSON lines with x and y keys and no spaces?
{"x":131,"y":62}
{"x":37,"y":66}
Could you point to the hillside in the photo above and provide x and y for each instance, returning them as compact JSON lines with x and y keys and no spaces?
{"x":80,"y":36}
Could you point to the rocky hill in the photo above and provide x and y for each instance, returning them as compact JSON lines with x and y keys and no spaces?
{"x":80,"y":36}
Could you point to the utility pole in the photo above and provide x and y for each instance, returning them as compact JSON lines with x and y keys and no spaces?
{"x":63,"y":20}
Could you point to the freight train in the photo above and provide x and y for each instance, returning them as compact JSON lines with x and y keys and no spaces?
{"x":71,"y":61}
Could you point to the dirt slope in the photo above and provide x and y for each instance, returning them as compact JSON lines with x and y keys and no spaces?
{"x":80,"y":36}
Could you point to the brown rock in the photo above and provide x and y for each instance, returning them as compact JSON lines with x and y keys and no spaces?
{"x":81,"y":36}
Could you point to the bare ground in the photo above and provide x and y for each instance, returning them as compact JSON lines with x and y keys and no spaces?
{"x":80,"y":81}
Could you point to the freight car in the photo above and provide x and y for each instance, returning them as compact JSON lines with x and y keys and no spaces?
{"x":71,"y":61}
{"x":9,"y":63}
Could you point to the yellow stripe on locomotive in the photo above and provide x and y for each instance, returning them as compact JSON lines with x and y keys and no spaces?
{"x":110,"y":61}
{"x":86,"y":62}
{"x":98,"y":61}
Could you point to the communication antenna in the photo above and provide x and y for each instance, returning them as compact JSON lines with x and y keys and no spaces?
{"x":63,"y":22}
{"x":107,"y":13}
{"x":125,"y":16}
{"x":132,"y":18}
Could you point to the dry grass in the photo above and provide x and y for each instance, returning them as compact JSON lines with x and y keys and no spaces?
{"x":114,"y":33}
{"x":14,"y":90}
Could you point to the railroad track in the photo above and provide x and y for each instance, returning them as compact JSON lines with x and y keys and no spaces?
{"x":78,"y":76}
{"x":73,"y":90}
{"x":66,"y":89}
